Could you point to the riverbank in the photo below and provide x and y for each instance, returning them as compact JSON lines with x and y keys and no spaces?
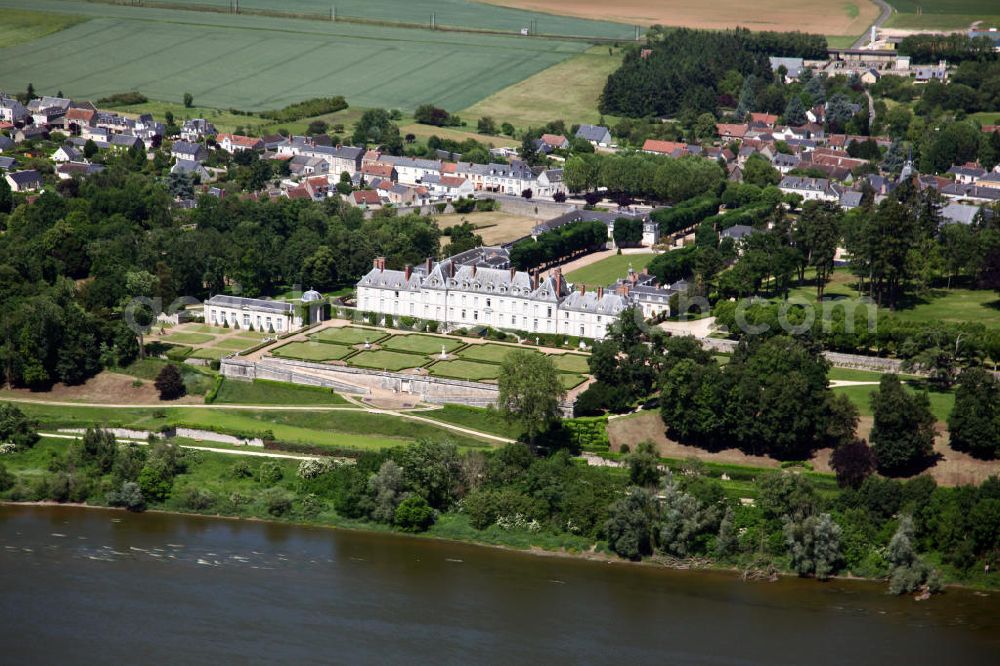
{"x":595,"y":553}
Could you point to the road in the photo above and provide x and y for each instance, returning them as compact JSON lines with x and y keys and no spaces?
{"x":885,"y":11}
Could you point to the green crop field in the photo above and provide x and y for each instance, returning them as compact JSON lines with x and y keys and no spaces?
{"x":348,"y":335}
{"x":449,"y":13}
{"x":312,"y":351}
{"x":468,"y":370}
{"x":255,"y":62}
{"x":17,"y":26}
{"x":607,"y":271}
{"x":944,"y":14}
{"x":491,"y":353}
{"x":387,"y":360}
{"x":423,"y":344}
{"x":571,"y":363}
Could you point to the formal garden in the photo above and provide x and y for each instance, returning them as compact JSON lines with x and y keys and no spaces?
{"x":436,"y":355}
{"x":201,"y":341}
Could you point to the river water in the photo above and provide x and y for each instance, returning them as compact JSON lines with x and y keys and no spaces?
{"x":84,"y":586}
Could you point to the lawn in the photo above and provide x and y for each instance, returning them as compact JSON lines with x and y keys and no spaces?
{"x":312,"y":351}
{"x":421,"y":344}
{"x":347,"y":335}
{"x":494,"y":227}
{"x":233,"y":344}
{"x":569,"y":91}
{"x":263,"y":392}
{"x":941,"y":402}
{"x":187,"y":338}
{"x":164,"y":53}
{"x":607,"y":271}
{"x":383,"y":359}
{"x":425,"y":132}
{"x":490,"y":352}
{"x":18,"y":26}
{"x":571,"y":363}
{"x":210,"y":353}
{"x":569,"y":381}
{"x":468,"y":370}
{"x":477,"y":418}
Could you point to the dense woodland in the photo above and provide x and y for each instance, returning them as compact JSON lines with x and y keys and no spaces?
{"x":71,"y":261}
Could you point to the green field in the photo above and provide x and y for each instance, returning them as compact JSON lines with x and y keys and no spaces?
{"x":255,"y":62}
{"x":468,"y":370}
{"x":387,"y":360}
{"x":607,"y":271}
{"x":312,"y":351}
{"x":569,"y":91}
{"x":941,"y":402}
{"x":210,"y":353}
{"x":569,"y":381}
{"x":453,"y":13}
{"x":349,"y":429}
{"x":348,"y":335}
{"x":422,"y":344}
{"x":233,"y":344}
{"x":18,"y":26}
{"x":943,"y":14}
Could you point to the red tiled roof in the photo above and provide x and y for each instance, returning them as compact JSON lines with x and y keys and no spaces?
{"x":731,"y":129}
{"x":239,"y":140}
{"x":764,"y":118}
{"x":85,"y":115}
{"x":553,"y":139}
{"x":664,"y":147}
{"x":452,"y":181}
{"x":298,"y":193}
{"x":383,"y":170}
{"x":366,"y":197}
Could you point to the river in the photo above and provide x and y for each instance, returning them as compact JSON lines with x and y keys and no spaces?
{"x":85,"y":586}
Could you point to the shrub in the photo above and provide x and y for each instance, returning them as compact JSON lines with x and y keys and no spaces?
{"x":16,"y":428}
{"x":414,"y":514}
{"x":269,"y":472}
{"x":277,"y":502}
{"x":128,"y":496}
{"x":241,"y":470}
{"x":169,"y":383}
{"x":314,"y":467}
{"x":123,"y":99}
{"x":198,"y":499}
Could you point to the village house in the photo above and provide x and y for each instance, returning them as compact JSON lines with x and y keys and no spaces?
{"x":810,"y":189}
{"x":550,"y":142}
{"x":24,"y":181}
{"x":7,"y":163}
{"x":66,"y":153}
{"x":192,"y":168}
{"x":12,"y":111}
{"x":188,"y":151}
{"x":196,"y":129}
{"x":71,"y":170}
{"x":448,"y":187}
{"x":596,"y":135}
{"x":236,"y":143}
{"x":669,"y":148}
{"x":31,"y":133}
{"x":123,"y":142}
{"x":366,"y":199}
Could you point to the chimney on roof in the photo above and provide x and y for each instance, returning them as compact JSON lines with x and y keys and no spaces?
{"x":513,"y":272}
{"x":534,"y":279}
{"x":408,"y":271}
{"x":600,"y":293}
{"x":645,"y":270}
{"x":451,"y":269}
{"x":380,"y":263}
{"x":429,"y":264}
{"x":583,"y":289}
{"x":473,"y":270}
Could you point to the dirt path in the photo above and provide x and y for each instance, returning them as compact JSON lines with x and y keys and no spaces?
{"x":235,"y":452}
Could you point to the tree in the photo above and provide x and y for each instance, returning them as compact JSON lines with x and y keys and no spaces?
{"x":838,"y":112}
{"x":853,"y":462}
{"x":188,"y":100}
{"x":903,"y":426}
{"x":414,"y":515}
{"x":758,"y":171}
{"x":386,"y":488}
{"x":643,"y":465}
{"x":317,"y":127}
{"x":129,"y":495}
{"x":814,"y":545}
{"x":486,"y":125}
{"x":89,"y":149}
{"x":628,"y":231}
{"x":974,"y":423}
{"x":319,"y":271}
{"x":376,"y":126}
{"x":97,"y":448}
{"x":795,"y":112}
{"x":139,"y":285}
{"x":629,"y":527}
{"x":530,"y":391}
{"x":683,"y":520}
{"x":818,"y":234}
{"x":6,"y":197}
{"x":169,"y":383}
{"x":16,"y":428}
{"x":748,"y":97}
{"x":908,"y":572}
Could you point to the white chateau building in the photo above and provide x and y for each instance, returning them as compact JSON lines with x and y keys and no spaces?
{"x":479,"y":287}
{"x":261,"y":314}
